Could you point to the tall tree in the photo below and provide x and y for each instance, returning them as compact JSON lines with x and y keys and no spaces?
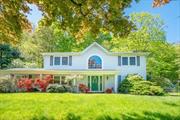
{"x":177,"y":60}
{"x":7,"y":54}
{"x":150,"y":37}
{"x":151,"y":24}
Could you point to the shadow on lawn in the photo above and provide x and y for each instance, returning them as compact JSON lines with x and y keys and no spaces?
{"x":172,"y":104}
{"x":129,"y":116}
{"x":150,"y":116}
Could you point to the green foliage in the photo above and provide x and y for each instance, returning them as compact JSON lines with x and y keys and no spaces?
{"x":165,"y":83}
{"x":152,"y":25}
{"x":177,"y":59}
{"x":56,"y":88}
{"x":150,"y":37}
{"x":7,"y":54}
{"x":135,"y":84}
{"x":72,"y":116}
{"x":177,"y":87}
{"x":7,"y":85}
{"x":74,"y":16}
{"x":13,"y":20}
{"x":146,"y":88}
{"x":128,"y":82}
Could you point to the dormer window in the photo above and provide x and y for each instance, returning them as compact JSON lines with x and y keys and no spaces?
{"x":95,"y":62}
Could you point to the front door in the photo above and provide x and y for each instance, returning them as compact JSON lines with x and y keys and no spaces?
{"x":95,"y":83}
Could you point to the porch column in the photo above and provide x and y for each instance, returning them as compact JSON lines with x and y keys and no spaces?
{"x":116,"y":84}
{"x":40,"y":76}
{"x":74,"y":81}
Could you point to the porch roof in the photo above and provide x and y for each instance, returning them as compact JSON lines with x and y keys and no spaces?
{"x":59,"y":71}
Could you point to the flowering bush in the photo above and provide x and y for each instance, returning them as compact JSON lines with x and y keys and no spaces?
{"x":28,"y":84}
{"x":83,"y":88}
{"x":108,"y":90}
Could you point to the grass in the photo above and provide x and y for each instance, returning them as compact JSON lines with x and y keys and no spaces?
{"x":44,"y":106}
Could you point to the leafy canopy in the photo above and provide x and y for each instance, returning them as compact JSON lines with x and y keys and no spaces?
{"x":74,"y":16}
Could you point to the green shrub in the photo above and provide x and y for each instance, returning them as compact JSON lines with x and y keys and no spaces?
{"x":7,"y":85}
{"x":165,"y":83}
{"x":135,"y":84}
{"x":68,"y":88}
{"x":56,"y":88}
{"x":146,"y":88}
{"x":60,"y":89}
{"x":128,"y":82}
{"x":177,"y":86}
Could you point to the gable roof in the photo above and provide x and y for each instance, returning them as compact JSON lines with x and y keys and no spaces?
{"x":101,"y":47}
{"x":95,"y":44}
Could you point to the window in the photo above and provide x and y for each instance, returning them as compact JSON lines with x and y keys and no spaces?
{"x":51,"y":60}
{"x":64,"y":60}
{"x":94,"y":62}
{"x":132,"y":61}
{"x":138,"y":60}
{"x":125,"y":60}
{"x":56,"y":60}
{"x":56,"y":79}
{"x":119,"y":60}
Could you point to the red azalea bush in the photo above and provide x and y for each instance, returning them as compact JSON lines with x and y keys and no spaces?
{"x":28,"y":84}
{"x":108,"y":90}
{"x":83,"y":88}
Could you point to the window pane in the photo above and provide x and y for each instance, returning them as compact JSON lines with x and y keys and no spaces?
{"x":125,"y":60}
{"x":51,"y":60}
{"x":57,"y":61}
{"x":57,"y":79}
{"x":64,"y":60}
{"x":94,"y":62}
{"x":132,"y":61}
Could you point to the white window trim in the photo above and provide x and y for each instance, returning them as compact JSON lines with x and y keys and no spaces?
{"x":87,"y":66}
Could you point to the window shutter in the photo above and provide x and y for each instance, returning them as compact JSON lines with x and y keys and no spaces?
{"x":51,"y":60}
{"x":70,"y":60}
{"x":119,"y":60}
{"x":138,"y":60}
{"x":119,"y":80}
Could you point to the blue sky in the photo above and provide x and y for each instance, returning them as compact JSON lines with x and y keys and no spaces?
{"x":170,"y":13}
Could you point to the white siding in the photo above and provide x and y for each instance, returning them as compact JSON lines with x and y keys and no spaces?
{"x":108,"y":62}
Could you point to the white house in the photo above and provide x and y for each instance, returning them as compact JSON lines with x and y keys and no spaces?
{"x":95,"y":67}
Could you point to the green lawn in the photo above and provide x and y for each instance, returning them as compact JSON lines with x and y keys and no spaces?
{"x":44,"y":106}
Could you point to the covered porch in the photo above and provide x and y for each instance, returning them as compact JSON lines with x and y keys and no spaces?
{"x":95,"y":80}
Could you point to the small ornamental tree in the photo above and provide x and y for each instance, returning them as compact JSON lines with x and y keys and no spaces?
{"x":28,"y":84}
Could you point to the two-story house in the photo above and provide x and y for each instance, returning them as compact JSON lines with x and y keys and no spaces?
{"x":95,"y":67}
